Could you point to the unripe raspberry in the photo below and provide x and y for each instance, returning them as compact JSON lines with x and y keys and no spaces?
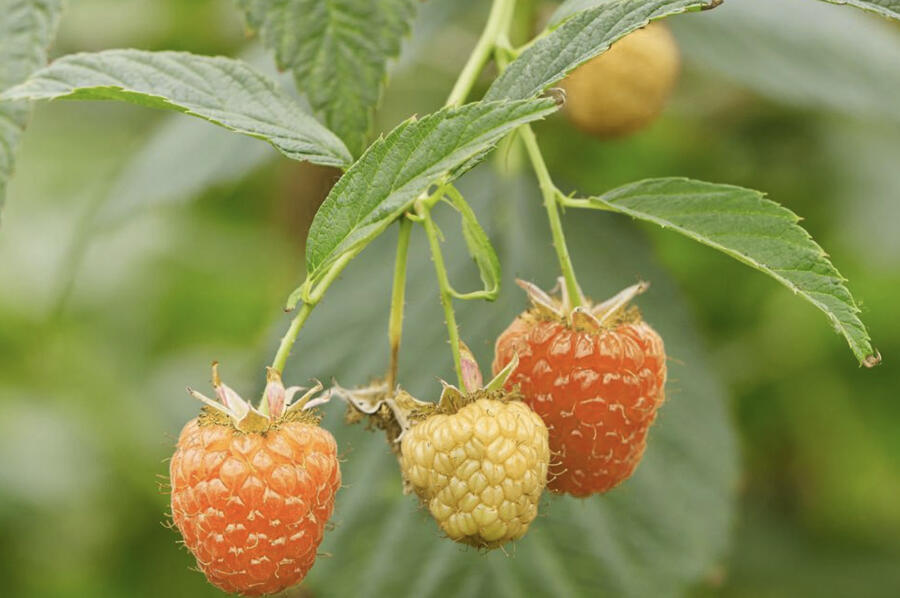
{"x":596,"y":377}
{"x":251,"y":494}
{"x":477,"y":458}
{"x":625,"y":88}
{"x":480,"y":471}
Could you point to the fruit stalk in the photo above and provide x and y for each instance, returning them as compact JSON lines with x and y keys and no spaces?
{"x":551,"y":194}
{"x":446,"y":293}
{"x":290,"y":337}
{"x":398,"y":298}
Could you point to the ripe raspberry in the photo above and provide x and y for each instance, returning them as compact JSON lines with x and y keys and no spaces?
{"x":251,"y":493}
{"x":596,"y":376}
{"x":625,"y":88}
{"x":480,"y":470}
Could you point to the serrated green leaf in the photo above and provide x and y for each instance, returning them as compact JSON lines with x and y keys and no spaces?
{"x":885,"y":8}
{"x":224,"y":91}
{"x":571,"y":7}
{"x":800,"y":54}
{"x":26,"y":30}
{"x":578,"y":39}
{"x":397,"y":169}
{"x":661,"y":531}
{"x":480,"y":249}
{"x":754,"y":230}
{"x":180,"y":158}
{"x":338,"y":52}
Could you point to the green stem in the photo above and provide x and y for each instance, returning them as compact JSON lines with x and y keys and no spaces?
{"x":398,"y":298}
{"x":497,"y":23}
{"x":548,"y":190}
{"x":551,"y":194}
{"x":445,"y":289}
{"x":290,"y":337}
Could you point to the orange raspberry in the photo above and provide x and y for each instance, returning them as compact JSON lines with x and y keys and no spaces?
{"x":596,"y":376}
{"x":251,"y":493}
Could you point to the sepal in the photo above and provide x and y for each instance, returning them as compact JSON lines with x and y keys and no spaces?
{"x":276,"y":403}
{"x":587,"y":316}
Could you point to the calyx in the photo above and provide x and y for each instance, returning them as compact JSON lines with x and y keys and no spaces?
{"x":396,"y":411}
{"x":277,"y":402}
{"x":587,"y":316}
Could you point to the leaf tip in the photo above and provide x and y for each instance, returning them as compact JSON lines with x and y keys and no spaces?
{"x":872,"y":360}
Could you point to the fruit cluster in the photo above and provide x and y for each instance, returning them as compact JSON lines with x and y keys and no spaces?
{"x":574,"y":393}
{"x":576,"y":387}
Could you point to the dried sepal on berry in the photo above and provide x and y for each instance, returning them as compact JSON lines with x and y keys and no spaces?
{"x":477,"y":458}
{"x":278,"y":402}
{"x":587,"y":316}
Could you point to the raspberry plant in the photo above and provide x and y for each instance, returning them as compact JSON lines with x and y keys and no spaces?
{"x":404,"y":176}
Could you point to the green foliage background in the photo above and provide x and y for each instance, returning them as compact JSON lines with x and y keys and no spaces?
{"x":93,"y":361}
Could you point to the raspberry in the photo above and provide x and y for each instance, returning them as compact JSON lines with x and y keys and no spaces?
{"x":596,"y":376}
{"x":477,"y":459}
{"x":625,"y":88}
{"x":480,"y":470}
{"x":251,"y":493}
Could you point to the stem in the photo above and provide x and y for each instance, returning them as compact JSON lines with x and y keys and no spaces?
{"x":398,"y":298}
{"x":550,"y":193}
{"x":444,"y":286}
{"x":548,"y":190}
{"x":290,"y":337}
{"x":316,"y":293}
{"x":497,"y":23}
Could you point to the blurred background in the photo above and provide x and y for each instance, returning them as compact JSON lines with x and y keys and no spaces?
{"x":138,"y":246}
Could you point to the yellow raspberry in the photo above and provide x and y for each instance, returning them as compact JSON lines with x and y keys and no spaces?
{"x":625,"y":88}
{"x":480,"y":470}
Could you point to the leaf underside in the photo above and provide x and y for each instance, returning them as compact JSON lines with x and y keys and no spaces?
{"x":397,"y":169}
{"x":338,"y":52}
{"x":752,"y":229}
{"x":224,"y":91}
{"x":26,"y":30}
{"x":795,"y":52}
{"x":578,"y":39}
{"x":178,"y":160}
{"x":885,"y":8}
